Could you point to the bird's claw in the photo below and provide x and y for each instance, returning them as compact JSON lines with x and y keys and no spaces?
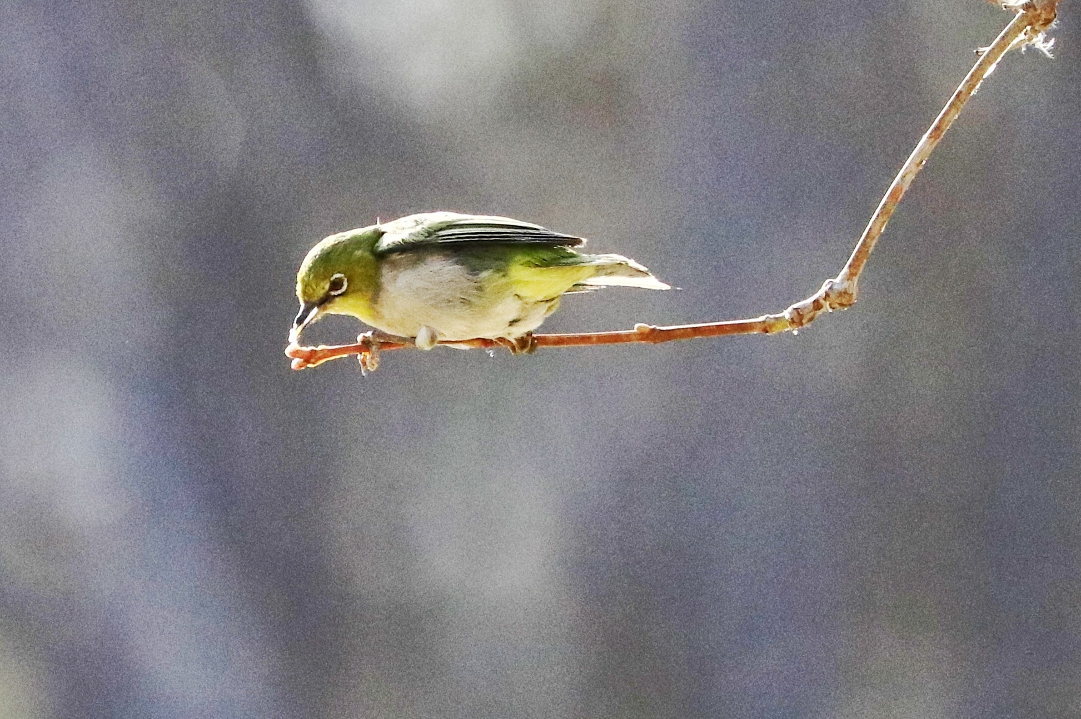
{"x":369,"y":358}
{"x":371,"y":342}
{"x":522,"y":344}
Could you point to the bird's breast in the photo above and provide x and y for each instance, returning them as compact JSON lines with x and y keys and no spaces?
{"x":436,"y":290}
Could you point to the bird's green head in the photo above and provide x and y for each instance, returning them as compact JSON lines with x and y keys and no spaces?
{"x":338,"y":276}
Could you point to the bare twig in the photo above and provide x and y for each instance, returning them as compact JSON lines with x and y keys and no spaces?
{"x":1034,"y":17}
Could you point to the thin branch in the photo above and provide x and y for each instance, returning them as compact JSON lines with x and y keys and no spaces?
{"x":1027,"y":27}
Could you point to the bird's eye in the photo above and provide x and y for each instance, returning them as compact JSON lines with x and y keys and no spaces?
{"x":337,"y":284}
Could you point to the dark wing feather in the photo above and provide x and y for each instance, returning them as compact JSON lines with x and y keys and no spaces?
{"x":439,"y":228}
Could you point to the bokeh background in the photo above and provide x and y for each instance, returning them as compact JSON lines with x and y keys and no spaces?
{"x":877,"y":518}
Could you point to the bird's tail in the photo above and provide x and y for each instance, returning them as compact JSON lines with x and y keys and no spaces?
{"x":620,"y":271}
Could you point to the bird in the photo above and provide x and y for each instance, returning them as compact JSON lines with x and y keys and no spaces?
{"x":444,"y":277}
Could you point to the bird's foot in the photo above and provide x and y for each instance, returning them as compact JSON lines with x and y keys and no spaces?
{"x":369,"y":358}
{"x":522,"y":344}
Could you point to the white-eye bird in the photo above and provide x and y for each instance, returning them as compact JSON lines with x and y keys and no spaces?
{"x":446,"y":277}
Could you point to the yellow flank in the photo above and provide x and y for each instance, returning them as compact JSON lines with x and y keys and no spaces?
{"x":539,"y":284}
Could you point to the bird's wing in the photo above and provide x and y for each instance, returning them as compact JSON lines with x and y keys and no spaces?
{"x":443,"y":228}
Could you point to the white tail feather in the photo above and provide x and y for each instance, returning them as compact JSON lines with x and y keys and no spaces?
{"x":649,"y":282}
{"x":620,"y":271}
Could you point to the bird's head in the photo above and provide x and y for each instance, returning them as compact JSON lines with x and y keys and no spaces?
{"x":338,"y":276}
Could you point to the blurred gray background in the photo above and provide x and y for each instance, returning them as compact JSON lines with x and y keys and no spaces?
{"x":877,"y":518}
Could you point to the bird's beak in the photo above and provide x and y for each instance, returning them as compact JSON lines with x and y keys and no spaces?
{"x":308,"y":312}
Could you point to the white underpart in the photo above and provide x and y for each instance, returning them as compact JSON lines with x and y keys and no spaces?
{"x":441,"y":295}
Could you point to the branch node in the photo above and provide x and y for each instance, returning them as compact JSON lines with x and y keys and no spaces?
{"x":841,"y":293}
{"x":835,"y":294}
{"x":651,"y":334}
{"x":1042,"y":14}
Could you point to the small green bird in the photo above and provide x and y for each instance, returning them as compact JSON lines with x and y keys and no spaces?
{"x":446,"y":277}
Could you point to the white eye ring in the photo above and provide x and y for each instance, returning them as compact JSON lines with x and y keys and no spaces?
{"x":335,"y":291}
